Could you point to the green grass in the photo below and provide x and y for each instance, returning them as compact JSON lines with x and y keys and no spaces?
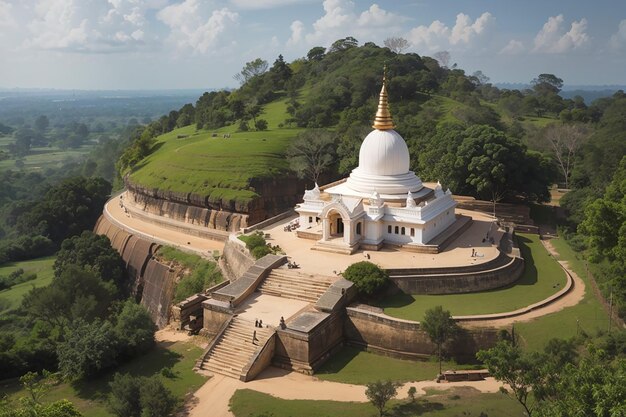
{"x":541,"y":276}
{"x":90,"y":397}
{"x":42,"y":158}
{"x":219,"y":168}
{"x":587,"y":316}
{"x":355,"y":366}
{"x":11,"y":298}
{"x":461,"y":401}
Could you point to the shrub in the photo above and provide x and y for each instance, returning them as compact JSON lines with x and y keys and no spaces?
{"x":367,"y":277}
{"x":261,"y":251}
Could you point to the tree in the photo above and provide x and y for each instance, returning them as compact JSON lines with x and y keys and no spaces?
{"x":440,"y":327}
{"x":260,"y":125}
{"x":75,"y":294}
{"x":134,"y":329}
{"x":316,"y":53}
{"x":251,"y":70}
{"x":506,"y":363}
{"x":343,"y":44}
{"x":156,"y":399}
{"x":565,"y":141}
{"x":312,"y":153}
{"x":479,"y":78}
{"x":67,"y":209}
{"x":443,"y":57}
{"x":380,"y":392}
{"x":396,"y":44}
{"x":94,"y":253}
{"x":124,"y":398}
{"x":42,"y":123}
{"x":88,"y":349}
{"x":367,"y":277}
{"x":547,"y":83}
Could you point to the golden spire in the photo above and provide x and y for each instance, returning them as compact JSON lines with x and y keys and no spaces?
{"x":383,"y":120}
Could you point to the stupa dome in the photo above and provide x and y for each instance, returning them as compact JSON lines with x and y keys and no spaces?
{"x":384,"y":159}
{"x":384,"y":152}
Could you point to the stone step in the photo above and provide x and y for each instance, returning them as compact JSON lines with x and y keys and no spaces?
{"x":301,"y":284}
{"x":246,"y":334}
{"x":294,"y":287}
{"x":310,"y":299}
{"x":301,"y":277}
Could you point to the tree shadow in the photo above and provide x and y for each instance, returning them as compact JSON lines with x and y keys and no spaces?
{"x":414,"y":408}
{"x":146,"y":365}
{"x":339,"y":360}
{"x":397,"y":300}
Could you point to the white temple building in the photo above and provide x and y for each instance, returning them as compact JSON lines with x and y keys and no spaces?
{"x":381,"y":203}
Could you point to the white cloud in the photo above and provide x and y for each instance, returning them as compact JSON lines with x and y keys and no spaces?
{"x":263,"y":4}
{"x":618,"y":40}
{"x":341,"y":20}
{"x":434,"y":37}
{"x":97,"y":26}
{"x":464,"y":30}
{"x":438,"y":36}
{"x":191,"y":29}
{"x":552,"y":39}
{"x":297,"y":32}
{"x":513,"y":47}
{"x":6,"y":15}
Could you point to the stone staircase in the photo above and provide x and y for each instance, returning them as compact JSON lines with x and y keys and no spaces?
{"x":234,"y":349}
{"x":295,"y":285}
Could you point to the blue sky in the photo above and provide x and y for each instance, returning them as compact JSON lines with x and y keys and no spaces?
{"x":169,"y":44}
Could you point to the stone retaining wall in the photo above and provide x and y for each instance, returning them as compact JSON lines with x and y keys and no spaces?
{"x":151,"y":281}
{"x":406,"y":339}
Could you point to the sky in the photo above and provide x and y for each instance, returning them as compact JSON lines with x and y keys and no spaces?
{"x":176,"y":44}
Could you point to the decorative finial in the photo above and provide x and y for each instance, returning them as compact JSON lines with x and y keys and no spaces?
{"x":383,"y":120}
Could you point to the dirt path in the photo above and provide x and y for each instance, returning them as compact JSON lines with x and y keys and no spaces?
{"x":213,"y":397}
{"x":570,"y":299}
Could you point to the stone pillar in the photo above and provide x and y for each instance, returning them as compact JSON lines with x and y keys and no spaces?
{"x":348,"y":233}
{"x":325,"y":228}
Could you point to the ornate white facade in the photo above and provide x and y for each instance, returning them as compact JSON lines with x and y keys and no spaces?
{"x":382,"y":202}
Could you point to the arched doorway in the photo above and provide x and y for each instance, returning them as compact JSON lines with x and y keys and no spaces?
{"x":336,"y":225}
{"x":358,"y":229}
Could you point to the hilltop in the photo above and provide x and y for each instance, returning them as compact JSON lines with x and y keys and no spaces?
{"x":336,"y":89}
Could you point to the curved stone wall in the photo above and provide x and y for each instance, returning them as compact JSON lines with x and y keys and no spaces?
{"x":276,"y":196}
{"x":501,"y":271}
{"x":152,"y":283}
{"x":406,"y":339}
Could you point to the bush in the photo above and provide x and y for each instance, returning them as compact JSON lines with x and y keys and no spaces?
{"x":261,"y":251}
{"x":367,"y":277}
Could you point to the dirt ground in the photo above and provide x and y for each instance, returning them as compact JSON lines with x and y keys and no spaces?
{"x":213,"y":397}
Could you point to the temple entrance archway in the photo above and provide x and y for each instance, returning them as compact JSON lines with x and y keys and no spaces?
{"x":336,"y":224}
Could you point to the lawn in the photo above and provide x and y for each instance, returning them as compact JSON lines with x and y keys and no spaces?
{"x":542,"y":277}
{"x":587,"y":316}
{"x":90,"y":397}
{"x":461,"y":401}
{"x":11,"y":298}
{"x":355,"y":366}
{"x":218,"y":168}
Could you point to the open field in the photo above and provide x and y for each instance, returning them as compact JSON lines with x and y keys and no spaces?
{"x":90,"y":397}
{"x":463,"y":401}
{"x":355,"y":366}
{"x":42,"y":158}
{"x":542,"y":277}
{"x":11,"y":298}
{"x":587,"y":316}
{"x":214,"y":166}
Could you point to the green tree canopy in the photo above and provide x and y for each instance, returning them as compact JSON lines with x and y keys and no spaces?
{"x":440,"y":327}
{"x":367,"y":277}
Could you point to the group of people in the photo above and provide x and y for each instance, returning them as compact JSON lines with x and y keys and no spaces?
{"x":292,"y":226}
{"x":292,"y":265}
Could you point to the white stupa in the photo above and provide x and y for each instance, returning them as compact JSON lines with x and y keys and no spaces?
{"x":382,"y":202}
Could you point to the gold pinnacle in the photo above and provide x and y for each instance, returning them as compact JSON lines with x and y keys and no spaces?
{"x":383,"y":120}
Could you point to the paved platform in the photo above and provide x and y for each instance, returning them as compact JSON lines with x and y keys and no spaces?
{"x":457,"y":253}
{"x":269,"y":308}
